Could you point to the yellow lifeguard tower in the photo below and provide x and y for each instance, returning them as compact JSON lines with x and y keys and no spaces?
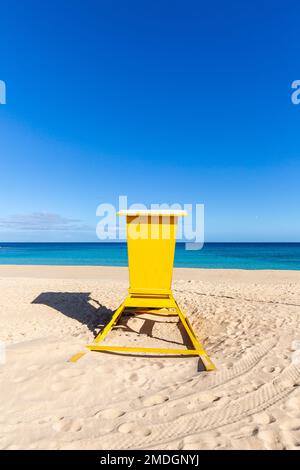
{"x":151,"y":237}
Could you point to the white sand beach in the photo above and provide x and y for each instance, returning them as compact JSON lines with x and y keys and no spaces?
{"x":249,"y":322}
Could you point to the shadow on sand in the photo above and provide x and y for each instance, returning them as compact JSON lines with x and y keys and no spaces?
{"x":77,"y":305}
{"x":90,"y":312}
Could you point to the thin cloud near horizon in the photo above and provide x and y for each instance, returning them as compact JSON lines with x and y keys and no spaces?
{"x":42,"y":221}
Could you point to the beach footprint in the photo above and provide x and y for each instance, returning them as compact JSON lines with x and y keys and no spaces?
{"x":134,"y":428}
{"x":155,"y":400}
{"x":112,"y":413}
{"x":263,"y":418}
{"x":67,"y":425}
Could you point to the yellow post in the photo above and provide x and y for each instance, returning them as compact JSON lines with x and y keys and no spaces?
{"x":151,"y":237}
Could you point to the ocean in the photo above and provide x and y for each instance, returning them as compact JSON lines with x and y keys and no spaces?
{"x":212,"y":255}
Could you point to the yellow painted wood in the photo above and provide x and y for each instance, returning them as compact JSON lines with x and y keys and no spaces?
{"x":151,"y":245}
{"x":177,"y":352}
{"x":158,"y":311}
{"x":196,"y":343}
{"x":149,"y":302}
{"x":110,"y":325}
{"x":77,"y":356}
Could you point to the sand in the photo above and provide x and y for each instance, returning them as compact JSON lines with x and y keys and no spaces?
{"x":249,"y":322}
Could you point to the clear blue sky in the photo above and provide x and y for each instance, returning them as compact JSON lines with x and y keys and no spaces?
{"x":163,"y":101}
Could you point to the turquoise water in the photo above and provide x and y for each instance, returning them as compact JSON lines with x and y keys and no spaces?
{"x":213,"y":255}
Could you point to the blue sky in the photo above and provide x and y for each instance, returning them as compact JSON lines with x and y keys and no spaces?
{"x":162,"y":101}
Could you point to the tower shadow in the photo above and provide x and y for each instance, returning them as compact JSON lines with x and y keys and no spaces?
{"x":82,"y":307}
{"x":79,"y":306}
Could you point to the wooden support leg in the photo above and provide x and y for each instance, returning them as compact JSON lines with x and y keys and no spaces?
{"x":103,"y":333}
{"x":111,"y":324}
{"x":171,"y":303}
{"x":196,"y":343}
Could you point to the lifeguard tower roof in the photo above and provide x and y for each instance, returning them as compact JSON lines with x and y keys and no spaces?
{"x":157,"y":212}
